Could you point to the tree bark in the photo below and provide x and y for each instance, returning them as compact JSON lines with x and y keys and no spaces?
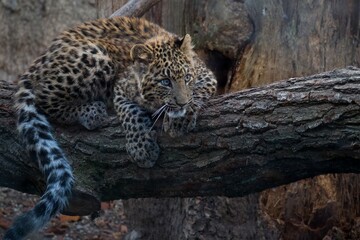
{"x":135,"y":8}
{"x":297,"y":38}
{"x":244,"y":143}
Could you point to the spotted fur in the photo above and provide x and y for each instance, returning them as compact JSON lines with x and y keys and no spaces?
{"x":141,"y":70}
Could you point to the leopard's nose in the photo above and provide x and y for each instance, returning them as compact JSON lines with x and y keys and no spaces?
{"x":181,"y":100}
{"x":180,"y":104}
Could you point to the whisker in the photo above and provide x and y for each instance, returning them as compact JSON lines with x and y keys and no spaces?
{"x":163,"y":108}
{"x":190,"y":101}
{"x":199,"y":103}
{"x":162,"y":127}
{"x":157,"y":111}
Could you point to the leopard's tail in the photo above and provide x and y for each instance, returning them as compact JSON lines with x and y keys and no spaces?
{"x":35,"y":132}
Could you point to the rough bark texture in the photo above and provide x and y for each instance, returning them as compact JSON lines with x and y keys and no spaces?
{"x":244,"y":143}
{"x":135,"y":8}
{"x":297,"y":38}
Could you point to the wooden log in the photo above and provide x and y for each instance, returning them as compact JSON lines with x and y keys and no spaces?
{"x":244,"y":143}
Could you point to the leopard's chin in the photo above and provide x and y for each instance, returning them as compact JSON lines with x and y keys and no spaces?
{"x":176,"y":113}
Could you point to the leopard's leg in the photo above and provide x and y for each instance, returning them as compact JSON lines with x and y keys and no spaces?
{"x":204,"y":88}
{"x":91,"y":115}
{"x":141,"y":140}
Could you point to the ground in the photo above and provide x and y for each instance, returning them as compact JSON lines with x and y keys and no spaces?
{"x":109,"y":225}
{"x":111,"y":222}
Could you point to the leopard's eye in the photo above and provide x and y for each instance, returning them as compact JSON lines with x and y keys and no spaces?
{"x":187,"y":78}
{"x":165,"y":82}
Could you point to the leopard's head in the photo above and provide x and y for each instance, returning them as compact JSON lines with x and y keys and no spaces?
{"x":167,"y":77}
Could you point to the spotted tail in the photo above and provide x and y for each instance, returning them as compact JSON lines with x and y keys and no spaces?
{"x":35,"y":132}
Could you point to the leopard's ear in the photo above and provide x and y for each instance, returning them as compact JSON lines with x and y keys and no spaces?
{"x":184,"y":44}
{"x":142,"y":53}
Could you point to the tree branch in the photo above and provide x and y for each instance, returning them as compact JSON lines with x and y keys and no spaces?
{"x":135,"y":8}
{"x":244,"y":143}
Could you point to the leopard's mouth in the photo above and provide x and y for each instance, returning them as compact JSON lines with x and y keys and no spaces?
{"x":176,"y":113}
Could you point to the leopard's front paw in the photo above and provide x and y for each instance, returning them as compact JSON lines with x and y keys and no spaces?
{"x":176,"y":127}
{"x":143,"y":148}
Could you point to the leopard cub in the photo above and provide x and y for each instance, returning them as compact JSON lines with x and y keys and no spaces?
{"x":135,"y":66}
{"x":166,"y":78}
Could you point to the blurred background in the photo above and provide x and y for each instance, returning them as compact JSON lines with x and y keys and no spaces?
{"x":247,"y":43}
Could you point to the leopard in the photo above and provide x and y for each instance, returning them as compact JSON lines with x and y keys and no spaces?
{"x":130,"y":65}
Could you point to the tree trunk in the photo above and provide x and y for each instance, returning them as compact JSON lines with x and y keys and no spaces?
{"x":297,"y":38}
{"x":244,"y":143}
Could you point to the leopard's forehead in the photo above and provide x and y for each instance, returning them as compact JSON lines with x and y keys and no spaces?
{"x":171,"y":61}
